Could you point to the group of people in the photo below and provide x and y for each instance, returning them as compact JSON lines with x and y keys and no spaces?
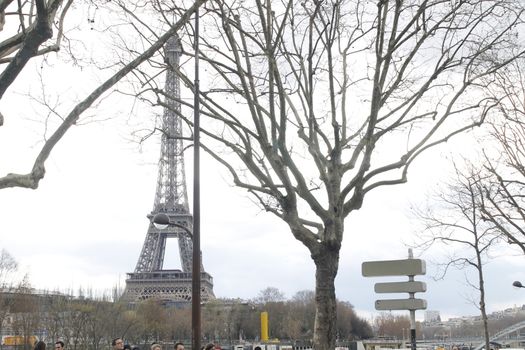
{"x":41,"y":345}
{"x":118,"y":344}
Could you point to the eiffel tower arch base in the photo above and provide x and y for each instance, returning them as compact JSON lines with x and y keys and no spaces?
{"x":166,"y":285}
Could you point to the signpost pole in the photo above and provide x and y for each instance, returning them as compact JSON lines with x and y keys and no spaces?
{"x":412,"y":312}
{"x":407,"y":267}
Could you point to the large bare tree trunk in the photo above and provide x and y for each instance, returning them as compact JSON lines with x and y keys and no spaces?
{"x":326,"y":265}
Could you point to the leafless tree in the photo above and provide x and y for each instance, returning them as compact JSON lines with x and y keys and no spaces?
{"x":28,"y":26}
{"x":8,"y":265}
{"x":37,"y":33}
{"x":504,"y":187}
{"x":89,"y":323}
{"x":302,"y":315}
{"x":311,"y":105}
{"x":153,"y":317}
{"x":179,"y":322}
{"x":27,"y":312}
{"x":269,"y":295}
{"x":454,"y":218}
{"x":390,"y":325}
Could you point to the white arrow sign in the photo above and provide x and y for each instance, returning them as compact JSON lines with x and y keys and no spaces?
{"x":401,"y":304}
{"x":400,"y":287}
{"x":406,"y":267}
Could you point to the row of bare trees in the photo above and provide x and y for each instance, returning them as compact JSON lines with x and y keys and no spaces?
{"x":90,"y":322}
{"x":288,"y":319}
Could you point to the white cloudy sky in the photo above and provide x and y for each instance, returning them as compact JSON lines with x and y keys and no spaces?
{"x":85,"y":224}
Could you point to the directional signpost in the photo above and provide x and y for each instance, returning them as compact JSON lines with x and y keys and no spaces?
{"x":407,"y":267}
{"x":400,"y":287}
{"x":401,"y":304}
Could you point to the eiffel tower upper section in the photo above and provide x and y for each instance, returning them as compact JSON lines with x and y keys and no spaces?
{"x":150,"y":280}
{"x":171,"y":195}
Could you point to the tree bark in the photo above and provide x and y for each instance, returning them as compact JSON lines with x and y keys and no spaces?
{"x":482,"y":305}
{"x":326,"y":264}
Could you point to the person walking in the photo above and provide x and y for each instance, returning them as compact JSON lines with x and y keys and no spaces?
{"x":179,"y":346}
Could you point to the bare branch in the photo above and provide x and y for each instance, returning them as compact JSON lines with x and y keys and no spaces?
{"x":32,"y":179}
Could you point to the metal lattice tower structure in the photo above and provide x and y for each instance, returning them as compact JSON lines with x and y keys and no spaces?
{"x":150,"y":280}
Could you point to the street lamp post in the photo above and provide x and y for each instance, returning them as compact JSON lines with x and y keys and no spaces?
{"x":162,"y":221}
{"x":518,"y":284}
{"x":196,"y":271}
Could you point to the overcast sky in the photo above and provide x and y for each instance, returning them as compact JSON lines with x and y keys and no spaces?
{"x":86,"y":223}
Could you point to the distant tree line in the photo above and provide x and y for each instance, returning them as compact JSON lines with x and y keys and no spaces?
{"x":86,"y":320}
{"x":291,"y":319}
{"x":89,"y":321}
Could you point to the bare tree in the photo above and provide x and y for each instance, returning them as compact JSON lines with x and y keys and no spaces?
{"x":32,"y":178}
{"x":312,"y":105}
{"x":349,"y":325}
{"x":503,"y":188}
{"x":269,"y":295}
{"x":302,"y":315}
{"x":390,"y":325}
{"x":29,"y":28}
{"x":153,"y":317}
{"x":179,"y":321}
{"x":27,"y":312}
{"x":455,"y":219}
{"x":8,"y":265}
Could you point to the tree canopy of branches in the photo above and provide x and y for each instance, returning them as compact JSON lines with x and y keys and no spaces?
{"x":503,"y":200}
{"x":312,"y":105}
{"x":89,"y":323}
{"x":30,"y":36}
{"x":8,"y":265}
{"x":390,"y":325}
{"x":455,"y":219}
{"x":31,"y":41}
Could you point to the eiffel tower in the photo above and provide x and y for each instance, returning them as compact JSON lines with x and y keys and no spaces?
{"x":150,"y":280}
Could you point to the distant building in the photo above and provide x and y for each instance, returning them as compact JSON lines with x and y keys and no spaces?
{"x":432,"y":316}
{"x":460,"y":321}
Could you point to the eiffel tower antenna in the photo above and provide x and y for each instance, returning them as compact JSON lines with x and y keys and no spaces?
{"x":150,"y":280}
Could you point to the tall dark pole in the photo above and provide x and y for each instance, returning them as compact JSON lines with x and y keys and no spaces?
{"x":196,"y":263}
{"x":412,"y":312}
